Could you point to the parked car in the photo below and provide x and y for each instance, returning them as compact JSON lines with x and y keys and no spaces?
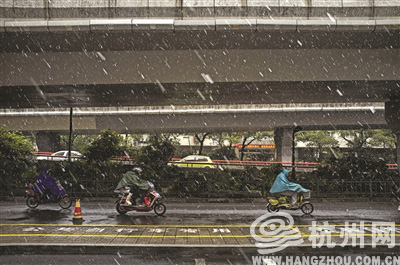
{"x":60,"y":156}
{"x":194,"y":161}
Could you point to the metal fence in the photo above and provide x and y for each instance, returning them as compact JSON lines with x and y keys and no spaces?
{"x":320,"y":188}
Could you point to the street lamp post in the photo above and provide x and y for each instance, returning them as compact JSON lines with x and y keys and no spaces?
{"x":295,"y":130}
{"x":70,"y":134}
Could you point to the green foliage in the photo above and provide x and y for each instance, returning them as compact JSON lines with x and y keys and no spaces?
{"x":223,"y":153}
{"x":105,"y":146}
{"x":383,"y":138}
{"x":16,"y":159}
{"x":317,"y":139}
{"x":200,"y":138}
{"x":155,"y":156}
{"x":351,"y":167}
{"x":249,"y":137}
{"x":79,"y":142}
{"x":356,"y":139}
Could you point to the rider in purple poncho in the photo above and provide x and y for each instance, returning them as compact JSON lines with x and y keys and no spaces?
{"x":45,"y":181}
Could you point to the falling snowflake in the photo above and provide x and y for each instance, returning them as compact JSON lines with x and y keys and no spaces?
{"x":207,"y":78}
{"x":101,"y":56}
{"x":201,"y":95}
{"x":331,"y":17}
{"x":339,"y":92}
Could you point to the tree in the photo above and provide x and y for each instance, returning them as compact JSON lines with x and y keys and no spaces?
{"x":201,"y":138}
{"x":356,"y":139}
{"x":155,"y":156}
{"x":383,"y":138}
{"x":105,"y":146}
{"x":79,"y":142}
{"x":249,"y":137}
{"x":318,"y":139}
{"x":16,"y":158}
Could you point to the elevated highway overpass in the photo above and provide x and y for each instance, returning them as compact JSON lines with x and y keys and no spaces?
{"x":89,"y":54}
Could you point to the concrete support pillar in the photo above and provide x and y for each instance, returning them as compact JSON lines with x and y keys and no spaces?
{"x":48,"y":141}
{"x":392,"y":116}
{"x":398,"y":151}
{"x":283,"y":141}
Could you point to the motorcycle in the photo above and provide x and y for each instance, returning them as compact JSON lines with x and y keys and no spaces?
{"x":33,"y":199}
{"x":283,"y":202}
{"x":153,"y":201}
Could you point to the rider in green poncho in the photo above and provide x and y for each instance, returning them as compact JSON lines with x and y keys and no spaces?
{"x":136,"y":184}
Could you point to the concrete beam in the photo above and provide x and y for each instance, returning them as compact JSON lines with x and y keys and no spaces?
{"x":200,"y":119}
{"x":150,"y":67}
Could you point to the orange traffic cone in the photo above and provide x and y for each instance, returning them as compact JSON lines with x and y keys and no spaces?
{"x":77,"y":219}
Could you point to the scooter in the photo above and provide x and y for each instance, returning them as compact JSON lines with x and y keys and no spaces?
{"x":33,"y":199}
{"x":283,"y":202}
{"x":153,"y":201}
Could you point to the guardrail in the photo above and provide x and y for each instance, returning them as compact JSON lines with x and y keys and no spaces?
{"x":239,"y":163}
{"x":223,"y":163}
{"x":265,"y":164}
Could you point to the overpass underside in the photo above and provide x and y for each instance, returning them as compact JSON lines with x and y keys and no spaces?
{"x":184,"y":68}
{"x":61,"y":54}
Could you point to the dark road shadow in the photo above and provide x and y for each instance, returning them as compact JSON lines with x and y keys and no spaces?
{"x":48,"y":214}
{"x":132,"y":219}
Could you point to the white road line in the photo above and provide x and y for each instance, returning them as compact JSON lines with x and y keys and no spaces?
{"x":200,"y":261}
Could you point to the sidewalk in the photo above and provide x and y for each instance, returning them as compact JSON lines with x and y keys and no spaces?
{"x":39,"y":238}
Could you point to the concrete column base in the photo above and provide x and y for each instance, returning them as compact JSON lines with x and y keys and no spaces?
{"x":48,"y":141}
{"x":283,"y":141}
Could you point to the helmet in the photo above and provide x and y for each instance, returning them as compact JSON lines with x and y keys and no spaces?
{"x":137,"y":169}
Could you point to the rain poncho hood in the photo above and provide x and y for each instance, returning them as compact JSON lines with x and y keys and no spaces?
{"x":130,"y":178}
{"x":45,"y":181}
{"x":282,"y":184}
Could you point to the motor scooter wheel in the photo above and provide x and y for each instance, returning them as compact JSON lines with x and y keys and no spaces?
{"x":65,"y":202}
{"x":120,"y":209}
{"x":32,"y":202}
{"x":160,"y":208}
{"x":272,"y":208}
{"x":307,"y":208}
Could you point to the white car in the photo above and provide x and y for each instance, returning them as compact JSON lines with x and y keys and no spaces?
{"x":60,"y":156}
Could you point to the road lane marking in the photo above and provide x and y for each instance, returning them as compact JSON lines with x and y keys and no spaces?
{"x":32,"y":229}
{"x":189,"y":226}
{"x":200,"y":261}
{"x":221,"y":230}
{"x":177,"y":236}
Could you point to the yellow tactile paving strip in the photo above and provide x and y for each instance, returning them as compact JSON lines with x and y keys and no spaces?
{"x":232,"y":235}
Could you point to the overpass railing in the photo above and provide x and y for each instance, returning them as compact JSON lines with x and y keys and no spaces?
{"x":210,"y":24}
{"x":195,"y":8}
